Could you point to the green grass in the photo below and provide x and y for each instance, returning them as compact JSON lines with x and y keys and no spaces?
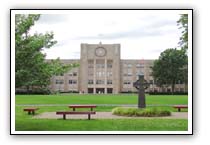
{"x":102,"y":125}
{"x":24,"y":122}
{"x":100,"y":99}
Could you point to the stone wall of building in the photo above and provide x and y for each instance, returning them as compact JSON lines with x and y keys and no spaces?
{"x":102,"y":71}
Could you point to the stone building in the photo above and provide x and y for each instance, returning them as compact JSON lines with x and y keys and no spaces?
{"x":101,"y":70}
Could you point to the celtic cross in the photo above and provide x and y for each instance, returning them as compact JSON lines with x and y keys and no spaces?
{"x":141,"y":84}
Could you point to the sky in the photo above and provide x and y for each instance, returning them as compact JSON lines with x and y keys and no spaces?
{"x":142,"y":34}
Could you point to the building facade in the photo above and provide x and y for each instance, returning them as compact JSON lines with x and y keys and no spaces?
{"x":101,"y":70}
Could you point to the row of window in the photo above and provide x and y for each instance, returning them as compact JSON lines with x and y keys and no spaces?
{"x":127,"y":82}
{"x":73,"y":74}
{"x":125,"y":65}
{"x":130,"y":74}
{"x":109,"y":65}
{"x":70,"y":74}
{"x":109,"y":74}
{"x":109,"y":82}
{"x":167,"y":90}
{"x":99,"y":66}
{"x":89,"y":82}
{"x":100,"y":74}
{"x":62,"y":81}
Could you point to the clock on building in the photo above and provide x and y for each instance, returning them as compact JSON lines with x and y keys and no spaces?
{"x":100,"y":51}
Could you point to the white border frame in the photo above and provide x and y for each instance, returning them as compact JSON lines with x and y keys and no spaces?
{"x":60,"y":11}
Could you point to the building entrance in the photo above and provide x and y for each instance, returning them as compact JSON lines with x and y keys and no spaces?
{"x":109,"y":90}
{"x":99,"y":90}
{"x":90,"y":90}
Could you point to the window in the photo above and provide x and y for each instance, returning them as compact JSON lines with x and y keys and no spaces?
{"x":100,"y":63}
{"x":168,"y":90}
{"x":90,"y":73}
{"x":139,"y":73}
{"x":126,"y":82}
{"x":129,"y":74}
{"x":74,"y":73}
{"x":72,"y":81}
{"x":109,"y":90}
{"x":109,"y":65}
{"x":99,"y":81}
{"x":100,"y":74}
{"x":139,"y":65}
{"x":90,"y":90}
{"x":58,"y":81}
{"x":90,"y":81}
{"x":109,"y":82}
{"x":109,"y":74}
{"x":129,"y":65}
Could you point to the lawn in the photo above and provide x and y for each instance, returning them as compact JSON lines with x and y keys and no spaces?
{"x":100,"y":99}
{"x":24,"y":122}
{"x":103,"y":125}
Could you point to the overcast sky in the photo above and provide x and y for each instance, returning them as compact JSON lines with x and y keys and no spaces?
{"x":142,"y":34}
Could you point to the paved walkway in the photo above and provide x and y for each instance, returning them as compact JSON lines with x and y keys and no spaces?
{"x":106,"y":115}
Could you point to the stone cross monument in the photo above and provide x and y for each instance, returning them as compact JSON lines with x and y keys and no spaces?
{"x":141,"y":84}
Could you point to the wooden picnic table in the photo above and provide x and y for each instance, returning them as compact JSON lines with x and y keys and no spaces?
{"x":30,"y":110}
{"x":82,"y":106}
{"x":179,"y":107}
{"x":64,"y":113}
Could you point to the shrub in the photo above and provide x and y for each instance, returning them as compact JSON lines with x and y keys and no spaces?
{"x":146,"y":112}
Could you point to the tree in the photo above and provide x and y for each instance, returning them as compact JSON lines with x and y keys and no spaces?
{"x":183,"y":23}
{"x":170,"y":67}
{"x":31,"y":68}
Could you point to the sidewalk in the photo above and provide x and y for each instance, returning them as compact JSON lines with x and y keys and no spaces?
{"x":107,"y":115}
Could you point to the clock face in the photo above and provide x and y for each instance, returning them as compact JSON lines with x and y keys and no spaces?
{"x":100,"y":51}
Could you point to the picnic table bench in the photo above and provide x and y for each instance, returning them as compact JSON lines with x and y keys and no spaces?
{"x":82,"y":106}
{"x":179,"y":107}
{"x":64,"y":113}
{"x":30,"y":110}
{"x":74,"y":112}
